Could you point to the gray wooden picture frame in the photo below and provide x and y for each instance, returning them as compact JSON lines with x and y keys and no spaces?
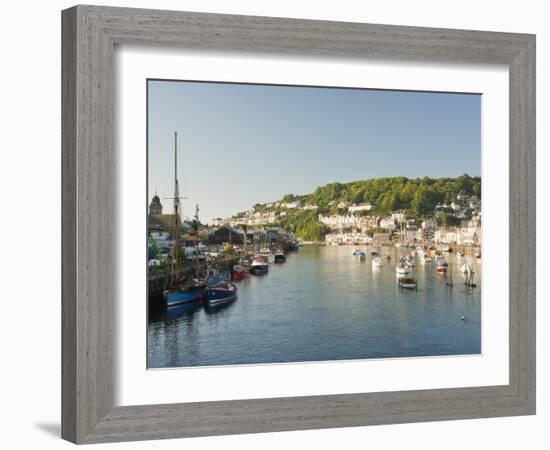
{"x":90,"y":34}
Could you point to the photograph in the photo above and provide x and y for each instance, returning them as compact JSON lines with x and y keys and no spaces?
{"x":299,"y":224}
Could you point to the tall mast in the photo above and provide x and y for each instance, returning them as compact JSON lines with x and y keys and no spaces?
{"x":197,"y":241}
{"x":176,"y":211}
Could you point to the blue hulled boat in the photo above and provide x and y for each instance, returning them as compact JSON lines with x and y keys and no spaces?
{"x":183,"y":295}
{"x":220,"y":294}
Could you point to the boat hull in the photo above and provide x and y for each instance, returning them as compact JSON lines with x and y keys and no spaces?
{"x":217,"y":296}
{"x":280,"y":259}
{"x":258,"y":269}
{"x":239,"y":275}
{"x":181,"y":296}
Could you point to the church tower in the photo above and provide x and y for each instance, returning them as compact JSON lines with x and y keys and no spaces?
{"x":155,"y":207}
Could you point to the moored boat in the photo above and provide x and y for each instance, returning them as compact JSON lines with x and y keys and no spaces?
{"x":361,"y":256}
{"x":406,"y":283}
{"x":441,"y":269}
{"x":259,"y":265}
{"x":279,"y":258}
{"x":183,"y":294}
{"x":425,"y":259}
{"x":409,"y":261}
{"x":239,"y":272}
{"x":377,"y":262}
{"x":180,"y":290}
{"x":401,"y":269}
{"x":217,"y":295}
{"x":268,"y":254}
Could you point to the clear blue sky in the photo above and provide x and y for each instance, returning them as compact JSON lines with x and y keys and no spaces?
{"x":243,"y":144}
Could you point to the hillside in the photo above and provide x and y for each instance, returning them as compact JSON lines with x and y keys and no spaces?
{"x":418,"y":197}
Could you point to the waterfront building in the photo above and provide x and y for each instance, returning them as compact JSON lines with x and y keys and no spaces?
{"x":427,"y":229}
{"x":387,"y":222}
{"x":382,"y":238}
{"x":347,"y":238}
{"x":225,"y":234}
{"x":410,"y":233}
{"x":398,"y":216}
{"x":447,"y":236}
{"x":217,"y":222}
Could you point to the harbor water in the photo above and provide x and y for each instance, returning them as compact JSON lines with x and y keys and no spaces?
{"x":323,"y":304}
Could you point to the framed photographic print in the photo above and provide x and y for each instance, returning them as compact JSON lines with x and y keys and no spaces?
{"x":268,"y":222}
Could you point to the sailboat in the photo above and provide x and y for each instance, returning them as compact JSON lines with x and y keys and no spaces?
{"x":180,"y":292}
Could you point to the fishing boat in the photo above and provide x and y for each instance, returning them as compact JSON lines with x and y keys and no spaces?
{"x":406,"y":283}
{"x":268,"y":254}
{"x":219,"y":294}
{"x":377,"y":262}
{"x":279,"y":258}
{"x":361,"y":256}
{"x":259,"y":265}
{"x":181,"y":289}
{"x":183,"y":294}
{"x":239,"y":272}
{"x":401,"y":269}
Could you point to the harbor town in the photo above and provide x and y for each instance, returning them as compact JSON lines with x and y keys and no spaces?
{"x":190,"y":261}
{"x":288,"y":224}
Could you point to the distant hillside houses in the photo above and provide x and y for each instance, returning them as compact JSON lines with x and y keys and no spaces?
{"x":359,"y":208}
{"x":469,"y":233}
{"x":340,"y":222}
{"x":291,"y":205}
{"x":461,"y":207}
{"x":217,"y":222}
{"x":387,"y":222}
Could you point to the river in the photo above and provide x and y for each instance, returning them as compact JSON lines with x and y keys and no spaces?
{"x":323,"y":304}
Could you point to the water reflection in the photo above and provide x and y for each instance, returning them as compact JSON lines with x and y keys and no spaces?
{"x":324,"y":304}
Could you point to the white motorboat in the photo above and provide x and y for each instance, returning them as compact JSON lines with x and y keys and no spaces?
{"x":377,"y":262}
{"x":401,"y":269}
